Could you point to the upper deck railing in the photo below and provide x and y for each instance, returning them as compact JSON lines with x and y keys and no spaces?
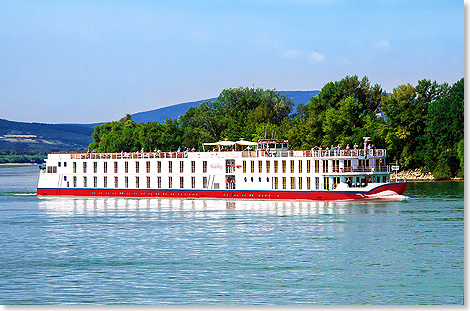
{"x":346,"y":153}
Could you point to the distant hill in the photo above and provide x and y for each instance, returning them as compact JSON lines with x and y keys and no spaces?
{"x":161,"y":114}
{"x":28,"y":136}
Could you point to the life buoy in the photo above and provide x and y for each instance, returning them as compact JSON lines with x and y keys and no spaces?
{"x":334,"y":186}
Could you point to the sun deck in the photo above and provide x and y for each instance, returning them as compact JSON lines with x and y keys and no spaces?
{"x":339,"y":154}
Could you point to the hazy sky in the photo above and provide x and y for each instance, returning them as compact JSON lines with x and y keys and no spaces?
{"x":91,"y":61}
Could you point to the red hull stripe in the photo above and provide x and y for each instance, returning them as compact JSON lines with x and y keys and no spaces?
{"x":397,"y":188}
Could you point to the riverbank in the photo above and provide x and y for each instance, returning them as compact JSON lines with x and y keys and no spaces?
{"x":412,"y":175}
{"x":415,"y":175}
{"x":19,"y":164}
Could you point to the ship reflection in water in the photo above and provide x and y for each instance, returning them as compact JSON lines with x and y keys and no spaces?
{"x":60,"y":206}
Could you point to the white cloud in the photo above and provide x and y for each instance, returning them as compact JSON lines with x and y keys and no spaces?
{"x":316,"y":57}
{"x":292,"y":54}
{"x":382,"y":45}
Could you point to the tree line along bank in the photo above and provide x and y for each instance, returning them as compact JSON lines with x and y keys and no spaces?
{"x":421,"y":126}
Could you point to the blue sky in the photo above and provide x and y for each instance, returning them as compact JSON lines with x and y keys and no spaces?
{"x":92,"y":61}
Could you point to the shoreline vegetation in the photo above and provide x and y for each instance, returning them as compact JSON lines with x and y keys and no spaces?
{"x":421,"y":127}
{"x":18,"y":164}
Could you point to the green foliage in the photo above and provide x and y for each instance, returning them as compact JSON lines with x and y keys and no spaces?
{"x":447,"y":165}
{"x":406,"y":112}
{"x":444,"y":135}
{"x":23,"y":156}
{"x":419,"y":125}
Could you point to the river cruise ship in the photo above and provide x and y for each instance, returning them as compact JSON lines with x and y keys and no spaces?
{"x":267,"y":170}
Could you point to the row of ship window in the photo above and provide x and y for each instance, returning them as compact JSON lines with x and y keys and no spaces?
{"x":263,"y":166}
{"x":295,"y":182}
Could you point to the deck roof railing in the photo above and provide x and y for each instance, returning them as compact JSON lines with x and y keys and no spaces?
{"x":346,"y":153}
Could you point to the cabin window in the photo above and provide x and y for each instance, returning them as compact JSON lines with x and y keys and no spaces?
{"x":193,"y":182}
{"x":260,"y":166}
{"x":105,"y":181}
{"x":300,"y":183}
{"x":275,"y":183}
{"x":317,"y":183}
{"x":292,"y":166}
{"x":268,"y":166}
{"x":181,"y":167}
{"x":284,"y":182}
{"x":284,"y":166}
{"x":65,"y":164}
{"x":308,"y":166}
{"x":95,"y":167}
{"x":292,"y":182}
{"x":244,"y":166}
{"x":170,"y":182}
{"x":325,"y":183}
{"x":300,"y":166}
{"x":115,"y":168}
{"x":148,"y":181}
{"x":335,"y":166}
{"x":137,"y":182}
{"x":252,"y":166}
{"x":137,"y":167}
{"x":275,"y":166}
{"x":84,"y":181}
{"x":159,"y":182}
{"x":347,"y":166}
{"x":116,"y":179}
{"x":204,"y":166}
{"x":95,"y":181}
{"x":159,"y":166}
{"x":75,"y":181}
{"x":181,"y":182}
{"x":126,"y":182}
{"x":59,"y":164}
{"x":193,"y":167}
{"x":336,"y":180}
{"x":204,"y":182}
{"x":74,"y":165}
{"x":317,"y":166}
{"x":126,"y":167}
{"x":170,"y":167}
{"x":363,"y":164}
{"x":325,"y":166}
{"x":52,"y":169}
{"x":84,"y":167}
{"x":105,"y":167}
{"x":308,"y":183}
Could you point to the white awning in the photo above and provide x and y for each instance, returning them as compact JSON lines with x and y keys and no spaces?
{"x":220,"y":143}
{"x":246,"y":143}
{"x":226,"y":143}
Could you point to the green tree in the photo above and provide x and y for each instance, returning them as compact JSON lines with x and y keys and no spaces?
{"x":406,"y":112}
{"x":341,"y":123}
{"x":445,"y":133}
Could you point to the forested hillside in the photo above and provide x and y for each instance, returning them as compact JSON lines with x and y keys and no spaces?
{"x":421,"y":126}
{"x":33,"y":136}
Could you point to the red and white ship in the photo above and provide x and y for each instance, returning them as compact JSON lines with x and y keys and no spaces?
{"x":266,"y":170}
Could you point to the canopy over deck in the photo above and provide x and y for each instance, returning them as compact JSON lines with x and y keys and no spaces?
{"x":230,"y":143}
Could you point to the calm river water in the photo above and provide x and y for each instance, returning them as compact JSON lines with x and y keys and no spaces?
{"x":155,"y":251}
